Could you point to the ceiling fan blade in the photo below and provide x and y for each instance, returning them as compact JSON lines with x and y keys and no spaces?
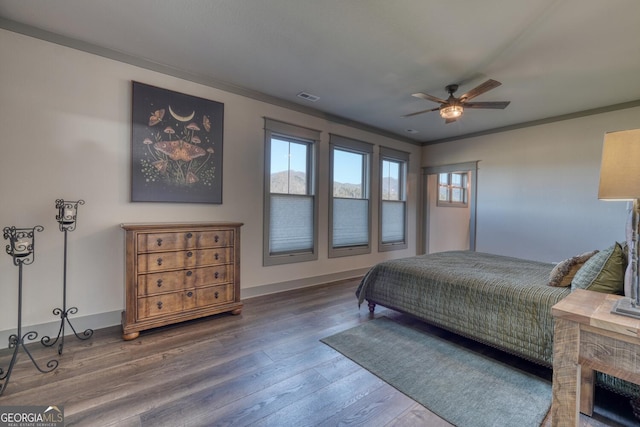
{"x":479,"y":90}
{"x":500,"y":105}
{"x":421,"y":112}
{"x":429,"y":97}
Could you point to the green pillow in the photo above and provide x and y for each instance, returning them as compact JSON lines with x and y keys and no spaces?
{"x":603,"y":272}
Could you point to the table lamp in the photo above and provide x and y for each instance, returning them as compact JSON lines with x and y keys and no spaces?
{"x":620,"y":180}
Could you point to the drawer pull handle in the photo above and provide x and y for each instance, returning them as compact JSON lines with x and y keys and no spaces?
{"x":188,"y":235}
{"x":189,"y":273}
{"x":216,"y":274}
{"x":159,"y":261}
{"x":216,"y":238}
{"x":159,"y":282}
{"x":159,"y":241}
{"x":189,"y":254}
{"x":159,"y":305}
{"x":189,"y":294}
{"x":216,"y":256}
{"x":216,"y":295}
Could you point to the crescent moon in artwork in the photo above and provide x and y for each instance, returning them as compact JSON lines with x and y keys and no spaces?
{"x":181,"y":118}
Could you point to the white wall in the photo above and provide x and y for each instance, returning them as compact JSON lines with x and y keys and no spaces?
{"x":65,"y":133}
{"x":538,"y":186}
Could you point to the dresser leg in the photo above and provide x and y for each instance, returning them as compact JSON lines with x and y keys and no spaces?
{"x":130,"y":336}
{"x":236,"y":311}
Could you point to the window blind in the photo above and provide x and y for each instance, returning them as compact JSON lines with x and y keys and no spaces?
{"x":350,"y":222}
{"x":393,"y":216}
{"x":291,"y":226}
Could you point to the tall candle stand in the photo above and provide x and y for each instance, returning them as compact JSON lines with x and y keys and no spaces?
{"x":67,"y":215}
{"x":21,"y":248}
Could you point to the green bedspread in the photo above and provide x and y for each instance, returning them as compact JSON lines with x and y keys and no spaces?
{"x":501,"y":301}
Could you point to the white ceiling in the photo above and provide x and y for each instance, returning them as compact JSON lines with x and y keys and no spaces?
{"x":364,"y":58}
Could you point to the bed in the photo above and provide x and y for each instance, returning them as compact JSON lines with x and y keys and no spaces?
{"x":501,"y":301}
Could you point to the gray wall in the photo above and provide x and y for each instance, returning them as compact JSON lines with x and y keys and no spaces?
{"x":66,"y":133}
{"x":538,"y":186}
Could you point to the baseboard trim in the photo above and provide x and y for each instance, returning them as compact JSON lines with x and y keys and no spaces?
{"x":113,"y":318}
{"x":80,"y":323}
{"x":290,"y":285}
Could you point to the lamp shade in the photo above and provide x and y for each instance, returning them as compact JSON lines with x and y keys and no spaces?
{"x":620,"y":169}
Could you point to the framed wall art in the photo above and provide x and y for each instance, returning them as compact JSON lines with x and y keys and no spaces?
{"x":176,"y":147}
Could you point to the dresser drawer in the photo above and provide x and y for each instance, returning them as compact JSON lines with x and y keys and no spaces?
{"x":153,"y":283}
{"x":161,"y":305}
{"x":189,"y":299}
{"x":184,"y":259}
{"x":159,"y":242}
{"x":214,"y":295}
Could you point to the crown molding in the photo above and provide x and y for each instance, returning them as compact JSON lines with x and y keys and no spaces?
{"x":570,"y":116}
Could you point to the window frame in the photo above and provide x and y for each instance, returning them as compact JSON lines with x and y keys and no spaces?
{"x":402,"y":158}
{"x":464,"y":188}
{"x":297,"y":134}
{"x":365,"y":149}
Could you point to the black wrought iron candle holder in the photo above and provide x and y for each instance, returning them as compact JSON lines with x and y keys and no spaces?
{"x":67,"y":216}
{"x":21,"y":249}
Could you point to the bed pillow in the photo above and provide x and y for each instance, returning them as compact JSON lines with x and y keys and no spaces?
{"x":563,"y":273}
{"x":603,"y":272}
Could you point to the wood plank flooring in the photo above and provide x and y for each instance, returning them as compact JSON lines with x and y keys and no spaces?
{"x":265,"y":367}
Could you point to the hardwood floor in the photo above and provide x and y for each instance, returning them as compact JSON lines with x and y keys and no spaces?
{"x":265,"y":367}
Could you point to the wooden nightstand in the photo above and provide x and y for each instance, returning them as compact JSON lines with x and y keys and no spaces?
{"x":588,"y":338}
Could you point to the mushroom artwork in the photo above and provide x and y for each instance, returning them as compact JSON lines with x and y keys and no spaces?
{"x":182,"y":153}
{"x":179,"y":150}
{"x":173,"y":159}
{"x":176,"y":146}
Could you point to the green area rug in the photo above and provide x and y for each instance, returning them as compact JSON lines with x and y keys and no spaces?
{"x":461,"y":386}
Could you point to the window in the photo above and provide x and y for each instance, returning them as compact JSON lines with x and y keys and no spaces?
{"x":290,"y":203}
{"x":452,"y":189}
{"x":393,"y":199}
{"x":349,"y":204}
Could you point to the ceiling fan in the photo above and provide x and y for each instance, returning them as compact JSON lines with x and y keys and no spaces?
{"x":452,"y":108}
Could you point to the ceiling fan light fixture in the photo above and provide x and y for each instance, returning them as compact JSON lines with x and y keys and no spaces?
{"x":451,"y":111}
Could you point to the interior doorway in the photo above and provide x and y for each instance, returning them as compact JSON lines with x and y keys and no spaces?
{"x":450,"y":207}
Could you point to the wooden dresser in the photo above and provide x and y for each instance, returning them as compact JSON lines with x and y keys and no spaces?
{"x":179,"y":271}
